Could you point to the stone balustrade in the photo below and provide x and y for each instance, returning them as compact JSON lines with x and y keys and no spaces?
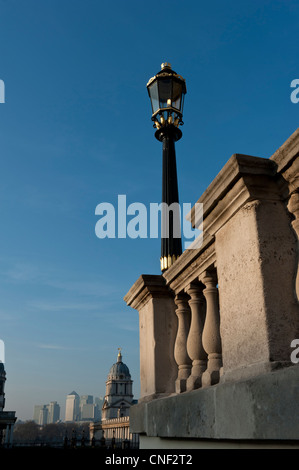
{"x":197,"y":347}
{"x":228,"y":310}
{"x":249,"y":254}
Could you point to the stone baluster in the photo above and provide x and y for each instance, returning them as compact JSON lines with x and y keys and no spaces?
{"x":194,"y":342}
{"x":293,"y":207}
{"x":180,"y":350}
{"x":211,"y":339}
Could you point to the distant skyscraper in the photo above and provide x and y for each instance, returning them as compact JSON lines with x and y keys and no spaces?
{"x":72,"y":409}
{"x":53,"y":412}
{"x":88,"y":411}
{"x":36,"y":413}
{"x":40,"y":414}
{"x":86,"y":400}
{"x":46,"y":414}
{"x":99,"y":401}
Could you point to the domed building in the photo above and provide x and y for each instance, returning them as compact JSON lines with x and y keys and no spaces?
{"x":119,"y":393}
{"x":115,"y":423}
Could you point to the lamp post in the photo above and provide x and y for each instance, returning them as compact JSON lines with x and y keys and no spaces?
{"x":166,"y":91}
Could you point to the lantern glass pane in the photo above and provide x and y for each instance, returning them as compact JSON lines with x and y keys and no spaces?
{"x":182,"y":102}
{"x":153,"y":89}
{"x":165,"y":89}
{"x":176,"y":95}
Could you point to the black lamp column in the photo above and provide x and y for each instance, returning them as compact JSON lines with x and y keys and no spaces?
{"x":167,"y":90}
{"x":171,"y":244}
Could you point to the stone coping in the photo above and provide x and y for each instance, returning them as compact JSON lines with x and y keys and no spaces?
{"x":146,"y":287}
{"x":263,"y":407}
{"x":287,"y":152}
{"x":237,"y":166}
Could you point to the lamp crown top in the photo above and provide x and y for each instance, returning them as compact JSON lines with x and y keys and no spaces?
{"x":165,"y":65}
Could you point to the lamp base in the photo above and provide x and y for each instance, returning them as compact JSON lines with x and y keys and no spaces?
{"x":168,"y":130}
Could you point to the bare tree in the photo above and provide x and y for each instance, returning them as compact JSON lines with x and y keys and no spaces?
{"x":26,"y":432}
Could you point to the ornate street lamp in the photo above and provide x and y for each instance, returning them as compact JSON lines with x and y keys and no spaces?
{"x":166,"y":91}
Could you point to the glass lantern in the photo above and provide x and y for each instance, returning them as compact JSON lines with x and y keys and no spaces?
{"x":166,"y":91}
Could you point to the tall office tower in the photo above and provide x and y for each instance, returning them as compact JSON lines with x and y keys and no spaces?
{"x":53,"y":412}
{"x":40,"y":415}
{"x":86,"y":400}
{"x":86,"y":408}
{"x":89,"y":412}
{"x":36,"y":413}
{"x":72,"y":410}
{"x":43,"y":415}
{"x":99,"y":401}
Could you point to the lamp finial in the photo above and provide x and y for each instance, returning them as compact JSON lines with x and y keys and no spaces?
{"x":165,"y":65}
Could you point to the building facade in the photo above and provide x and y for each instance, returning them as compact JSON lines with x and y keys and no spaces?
{"x":7,"y":418}
{"x":218,"y":328}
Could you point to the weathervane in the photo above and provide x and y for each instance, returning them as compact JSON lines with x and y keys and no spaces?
{"x":119,"y":355}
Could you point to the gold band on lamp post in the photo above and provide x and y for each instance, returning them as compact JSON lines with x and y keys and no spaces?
{"x":167,"y":261}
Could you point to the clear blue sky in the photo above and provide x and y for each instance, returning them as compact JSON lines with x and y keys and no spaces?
{"x":75,"y":131}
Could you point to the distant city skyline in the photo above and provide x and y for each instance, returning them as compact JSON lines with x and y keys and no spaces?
{"x":89,"y":409}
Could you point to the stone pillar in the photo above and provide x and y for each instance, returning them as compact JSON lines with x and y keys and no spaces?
{"x":256,"y":267}
{"x":157,"y":332}
{"x":211,"y":333}
{"x":8,"y":436}
{"x":194,"y":343}
{"x":11,"y":434}
{"x":180,"y":351}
